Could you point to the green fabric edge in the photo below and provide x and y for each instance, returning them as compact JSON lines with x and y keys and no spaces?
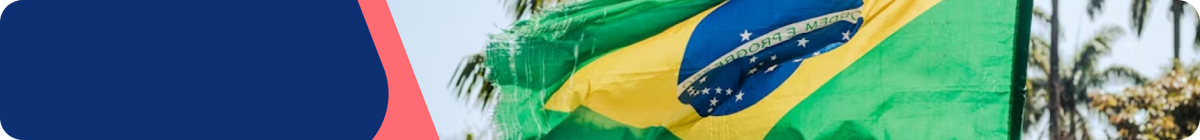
{"x":1021,"y":51}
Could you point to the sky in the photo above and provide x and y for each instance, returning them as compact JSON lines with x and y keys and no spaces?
{"x":438,"y":34}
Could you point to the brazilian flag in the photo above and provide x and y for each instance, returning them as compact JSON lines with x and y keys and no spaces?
{"x":761,"y":69}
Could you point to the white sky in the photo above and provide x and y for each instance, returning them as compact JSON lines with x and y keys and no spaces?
{"x":437,"y":34}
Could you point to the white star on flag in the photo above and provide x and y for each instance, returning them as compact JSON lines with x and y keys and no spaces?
{"x":752,"y":70}
{"x":702,"y":79}
{"x":772,"y":57}
{"x":745,"y":35}
{"x":752,"y":58}
{"x":739,"y":96}
{"x":705,"y":91}
{"x":816,"y":53}
{"x":728,"y":91}
{"x":714,"y":102}
{"x":719,"y":90}
{"x":803,"y":42}
{"x":772,"y":68}
{"x":846,"y":35}
{"x":710,"y":110}
{"x":797,"y":60}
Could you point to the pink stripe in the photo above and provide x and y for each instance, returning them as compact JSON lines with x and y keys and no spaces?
{"x":407,"y":117}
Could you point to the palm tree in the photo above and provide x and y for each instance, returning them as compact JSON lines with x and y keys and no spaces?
{"x":1068,"y":88}
{"x":1176,"y":11}
{"x":1073,"y":84}
{"x":1054,"y":88}
{"x":1141,"y":9}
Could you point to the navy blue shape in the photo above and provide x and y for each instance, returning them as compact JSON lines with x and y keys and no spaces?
{"x":167,"y":70}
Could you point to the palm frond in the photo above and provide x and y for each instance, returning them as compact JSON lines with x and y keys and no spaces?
{"x":472,"y":73}
{"x":464,"y":73}
{"x":1139,"y":9}
{"x":1099,"y":45}
{"x":1117,"y":73}
{"x":1094,"y":8}
{"x":1196,"y":41}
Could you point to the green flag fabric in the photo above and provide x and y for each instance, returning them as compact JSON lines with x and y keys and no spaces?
{"x":761,"y":69}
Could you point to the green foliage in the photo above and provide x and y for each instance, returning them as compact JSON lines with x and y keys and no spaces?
{"x":1164,"y":108}
{"x":1170,"y":107}
{"x":1076,"y":79}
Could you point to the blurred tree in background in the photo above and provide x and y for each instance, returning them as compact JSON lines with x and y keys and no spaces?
{"x":1074,"y":80}
{"x":1166,"y":108}
{"x":1058,"y":101}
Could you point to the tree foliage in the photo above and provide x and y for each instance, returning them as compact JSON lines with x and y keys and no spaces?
{"x":1166,"y":108}
{"x":1077,"y":78}
{"x":472,"y":74}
